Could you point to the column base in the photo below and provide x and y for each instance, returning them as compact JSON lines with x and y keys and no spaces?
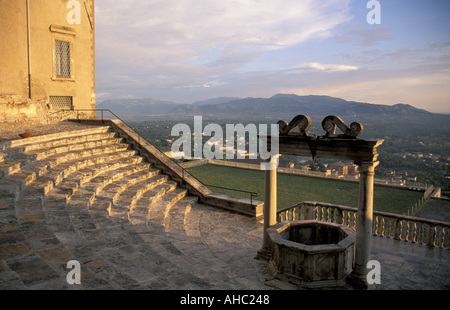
{"x":358,"y":278}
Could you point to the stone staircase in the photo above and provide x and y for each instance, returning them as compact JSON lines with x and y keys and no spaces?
{"x":86,"y":195}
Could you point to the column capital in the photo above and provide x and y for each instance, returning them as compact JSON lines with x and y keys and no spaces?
{"x":367,"y":166}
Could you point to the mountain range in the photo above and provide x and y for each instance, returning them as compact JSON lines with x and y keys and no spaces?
{"x":281,"y":106}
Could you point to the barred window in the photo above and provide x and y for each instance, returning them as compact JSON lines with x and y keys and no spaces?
{"x":61,"y":102}
{"x":62,"y":59}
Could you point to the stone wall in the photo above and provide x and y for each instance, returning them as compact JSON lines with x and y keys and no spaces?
{"x":28,"y":74}
{"x":16,"y":109}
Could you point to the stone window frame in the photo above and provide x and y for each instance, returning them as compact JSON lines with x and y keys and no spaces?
{"x":64,"y":34}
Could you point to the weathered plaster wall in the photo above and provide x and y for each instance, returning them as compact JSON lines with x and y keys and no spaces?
{"x":48,"y":21}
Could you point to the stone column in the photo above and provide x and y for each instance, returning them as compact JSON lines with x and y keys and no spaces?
{"x":270,"y":206}
{"x":363,"y":225}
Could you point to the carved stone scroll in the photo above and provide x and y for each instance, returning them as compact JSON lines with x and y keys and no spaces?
{"x":302,"y":122}
{"x":329,"y":125}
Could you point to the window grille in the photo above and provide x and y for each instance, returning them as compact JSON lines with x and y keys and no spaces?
{"x":62,"y":59}
{"x":61,"y":102}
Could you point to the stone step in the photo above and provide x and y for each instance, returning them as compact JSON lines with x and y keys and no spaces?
{"x":133,"y":193}
{"x":66,"y":141}
{"x":56,"y":144}
{"x":113,"y":190}
{"x":140,"y":210}
{"x":41,"y":154}
{"x":176,"y":220}
{"x":92,"y":167}
{"x":115,"y":179}
{"x":9,"y":168}
{"x":55,"y":136}
{"x":57,"y":159}
{"x":159,"y":210}
{"x":80,"y":169}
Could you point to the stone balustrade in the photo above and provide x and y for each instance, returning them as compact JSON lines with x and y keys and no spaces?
{"x":384,"y":224}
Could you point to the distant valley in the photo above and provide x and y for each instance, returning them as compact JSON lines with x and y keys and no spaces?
{"x":400,"y":117}
{"x":416,"y":146}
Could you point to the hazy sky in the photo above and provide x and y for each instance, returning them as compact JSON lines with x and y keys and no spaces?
{"x":190,"y":50}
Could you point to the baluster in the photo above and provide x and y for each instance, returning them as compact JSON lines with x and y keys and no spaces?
{"x":419,"y":232}
{"x":423,"y":233}
{"x":404,"y":234}
{"x":375,"y":225}
{"x":408,"y":231}
{"x":319,"y":213}
{"x":387,"y":227}
{"x":440,"y":237}
{"x":383,"y":226}
{"x":280,"y":217}
{"x":299,"y":212}
{"x":354,"y":219}
{"x":350,"y":219}
{"x":339,"y":216}
{"x":414,"y":232}
{"x":331,"y":214}
{"x":397,"y":229}
{"x":402,"y":229}
{"x":431,"y":235}
{"x":447,"y":239}
{"x":346,"y":218}
{"x":379,"y":226}
{"x":405,"y":230}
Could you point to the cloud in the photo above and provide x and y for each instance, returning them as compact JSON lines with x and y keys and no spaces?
{"x":209,"y":23}
{"x":326,"y":67}
{"x":192,"y":42}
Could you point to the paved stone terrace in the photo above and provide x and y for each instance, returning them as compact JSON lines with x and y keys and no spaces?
{"x":185,"y":246}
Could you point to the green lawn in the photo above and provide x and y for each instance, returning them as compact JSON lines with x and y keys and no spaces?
{"x":293,"y":189}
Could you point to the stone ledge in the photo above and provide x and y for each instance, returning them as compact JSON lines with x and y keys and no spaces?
{"x":240,"y":205}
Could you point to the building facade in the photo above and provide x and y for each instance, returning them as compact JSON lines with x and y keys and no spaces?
{"x":47,"y":57}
